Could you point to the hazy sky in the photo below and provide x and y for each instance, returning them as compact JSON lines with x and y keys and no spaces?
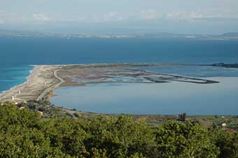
{"x":175,"y":16}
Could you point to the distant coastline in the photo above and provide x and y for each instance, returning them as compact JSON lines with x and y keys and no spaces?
{"x":129,"y":35}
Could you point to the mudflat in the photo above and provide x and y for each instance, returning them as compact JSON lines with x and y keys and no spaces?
{"x":45,"y":78}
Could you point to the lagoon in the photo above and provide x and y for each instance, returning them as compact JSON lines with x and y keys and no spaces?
{"x":153,"y":98}
{"x":17,"y":53}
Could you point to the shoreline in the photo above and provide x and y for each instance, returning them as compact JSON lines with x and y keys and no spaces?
{"x":19,"y":86}
{"x":26,"y":79}
{"x":36,"y":82}
{"x":43,"y":79}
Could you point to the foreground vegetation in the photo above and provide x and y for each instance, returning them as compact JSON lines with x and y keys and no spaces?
{"x":25,"y":133}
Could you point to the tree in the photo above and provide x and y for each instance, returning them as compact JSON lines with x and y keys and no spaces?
{"x":184,"y":139}
{"x":227,"y":142}
{"x":120,"y":136}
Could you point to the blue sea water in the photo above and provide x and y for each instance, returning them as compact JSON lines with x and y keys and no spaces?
{"x":32,"y":51}
{"x":17,"y":54}
{"x":11,"y":76}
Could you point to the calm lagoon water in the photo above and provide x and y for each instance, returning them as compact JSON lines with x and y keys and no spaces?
{"x":153,"y":98}
{"x":16,"y":54}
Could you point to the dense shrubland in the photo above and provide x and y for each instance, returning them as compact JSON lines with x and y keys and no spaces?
{"x":27,"y":134}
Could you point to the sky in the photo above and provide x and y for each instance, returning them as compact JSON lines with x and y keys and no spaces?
{"x":120,"y":16}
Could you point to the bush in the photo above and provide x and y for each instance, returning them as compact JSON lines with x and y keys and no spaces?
{"x":184,"y":139}
{"x":227,"y":142}
{"x":25,"y":134}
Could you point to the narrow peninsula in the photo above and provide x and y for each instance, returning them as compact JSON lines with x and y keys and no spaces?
{"x":45,"y":78}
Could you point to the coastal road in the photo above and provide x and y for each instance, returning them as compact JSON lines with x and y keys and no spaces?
{"x":49,"y":89}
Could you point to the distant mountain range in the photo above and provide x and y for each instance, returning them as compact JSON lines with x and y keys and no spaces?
{"x":225,"y":36}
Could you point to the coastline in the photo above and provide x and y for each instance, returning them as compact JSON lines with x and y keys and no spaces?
{"x":25,"y":81}
{"x":18,"y":86}
{"x":37,"y":81}
{"x":43,"y":79}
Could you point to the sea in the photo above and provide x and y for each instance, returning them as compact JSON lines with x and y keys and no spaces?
{"x":18,"y":55}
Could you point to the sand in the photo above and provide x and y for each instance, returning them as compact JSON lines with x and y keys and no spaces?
{"x":45,"y":78}
{"x":41,"y":80}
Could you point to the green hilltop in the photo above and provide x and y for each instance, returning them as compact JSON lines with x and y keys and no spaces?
{"x":27,"y":133}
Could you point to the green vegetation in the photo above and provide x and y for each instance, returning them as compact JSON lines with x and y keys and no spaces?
{"x":26,"y":133}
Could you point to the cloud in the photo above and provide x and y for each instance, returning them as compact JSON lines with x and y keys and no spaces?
{"x":9,"y":17}
{"x":41,"y":17}
{"x":111,"y":16}
{"x":150,"y":17}
{"x":150,"y":14}
{"x":114,"y":16}
{"x":193,"y":16}
{"x":187,"y":16}
{"x":14,"y":18}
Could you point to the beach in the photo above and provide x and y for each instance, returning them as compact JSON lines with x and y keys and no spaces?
{"x":40,"y":81}
{"x":44,"y":79}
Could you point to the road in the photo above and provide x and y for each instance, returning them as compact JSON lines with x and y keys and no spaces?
{"x":49,"y":89}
